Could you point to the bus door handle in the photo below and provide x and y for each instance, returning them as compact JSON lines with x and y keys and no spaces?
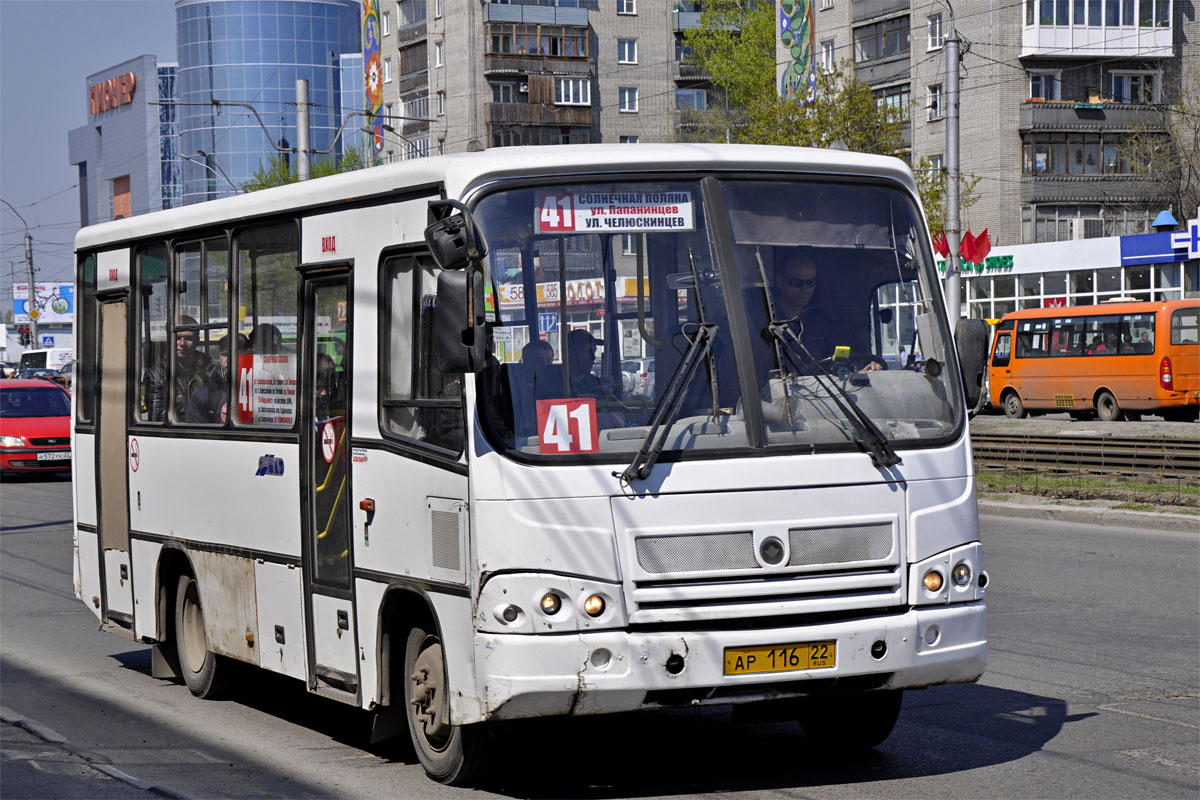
{"x":367,"y":504}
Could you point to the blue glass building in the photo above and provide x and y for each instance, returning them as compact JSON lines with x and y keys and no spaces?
{"x":253,"y":51}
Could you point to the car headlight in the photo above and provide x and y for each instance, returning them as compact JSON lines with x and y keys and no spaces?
{"x":953,"y":576}
{"x":547,"y":603}
{"x":11,"y":441}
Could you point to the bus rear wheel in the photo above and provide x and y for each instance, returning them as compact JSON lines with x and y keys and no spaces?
{"x":203,"y":670}
{"x":852,"y":722}
{"x":450,"y":754}
{"x":1013,"y":407}
{"x":1107,"y":407}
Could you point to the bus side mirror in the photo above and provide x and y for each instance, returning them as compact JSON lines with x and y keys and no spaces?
{"x":454,"y":240}
{"x":971,"y":341}
{"x":460,"y":336}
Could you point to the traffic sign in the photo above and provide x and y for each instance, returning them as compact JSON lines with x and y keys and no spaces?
{"x":47,"y":341}
{"x":547,"y":322}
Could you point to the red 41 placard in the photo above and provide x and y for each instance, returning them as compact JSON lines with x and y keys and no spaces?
{"x":567,"y":426}
{"x":557,"y":213}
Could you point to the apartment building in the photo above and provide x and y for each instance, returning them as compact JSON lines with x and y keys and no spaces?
{"x":1050,"y":90}
{"x":468,"y":75}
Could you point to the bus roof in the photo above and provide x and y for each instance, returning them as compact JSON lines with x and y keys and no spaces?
{"x":460,"y":172}
{"x":1105,"y":308}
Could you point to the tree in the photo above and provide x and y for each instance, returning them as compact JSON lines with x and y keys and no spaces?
{"x":735,"y":45}
{"x":278,"y":170}
{"x":1171,"y":158}
{"x":931,"y":186}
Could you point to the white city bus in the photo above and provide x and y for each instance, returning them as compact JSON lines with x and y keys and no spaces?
{"x":370,"y":432}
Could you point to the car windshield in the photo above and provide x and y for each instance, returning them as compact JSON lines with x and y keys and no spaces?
{"x":590,"y":282}
{"x":22,"y":402}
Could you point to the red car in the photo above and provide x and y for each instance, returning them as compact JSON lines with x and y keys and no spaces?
{"x":35,"y":426}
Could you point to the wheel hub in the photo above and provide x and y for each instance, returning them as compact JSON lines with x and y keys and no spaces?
{"x":428,"y":695}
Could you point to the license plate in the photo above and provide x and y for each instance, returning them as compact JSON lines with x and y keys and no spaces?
{"x":56,"y":455}
{"x":780,"y":658}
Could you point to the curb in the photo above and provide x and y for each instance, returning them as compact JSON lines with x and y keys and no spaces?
{"x":51,"y":736}
{"x":1121,"y":517}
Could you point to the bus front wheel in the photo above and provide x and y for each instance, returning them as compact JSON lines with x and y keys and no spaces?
{"x":853,"y":722}
{"x":202,"y":669}
{"x":450,"y":754}
{"x":1013,"y":407}
{"x":1107,"y":407}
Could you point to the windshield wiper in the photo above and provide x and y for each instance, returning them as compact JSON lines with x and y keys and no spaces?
{"x":871,"y":438}
{"x":667,"y":407}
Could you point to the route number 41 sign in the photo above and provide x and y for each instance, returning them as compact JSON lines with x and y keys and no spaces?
{"x":567,"y":426}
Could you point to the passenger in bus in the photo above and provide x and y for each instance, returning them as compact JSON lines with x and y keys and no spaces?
{"x":266,"y":339}
{"x":1097,"y":347}
{"x":535,"y":378}
{"x":585,"y":383}
{"x":192,"y":370}
{"x":210,"y":402}
{"x":330,"y":395}
{"x":1144,"y":344}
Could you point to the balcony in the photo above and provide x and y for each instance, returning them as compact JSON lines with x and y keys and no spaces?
{"x":862,"y":10}
{"x":1066,"y":115}
{"x":691,"y":73}
{"x":1096,"y":41}
{"x":884,"y":70}
{"x":1098,"y":189}
{"x":535,"y":14}
{"x":536,"y":114}
{"x":498,"y":64}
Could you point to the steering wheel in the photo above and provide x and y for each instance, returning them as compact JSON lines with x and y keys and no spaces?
{"x":853,"y":362}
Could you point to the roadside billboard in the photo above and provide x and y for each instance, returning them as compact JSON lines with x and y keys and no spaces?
{"x":55,"y":303}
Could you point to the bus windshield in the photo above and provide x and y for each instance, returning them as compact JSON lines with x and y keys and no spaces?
{"x":803,"y":307}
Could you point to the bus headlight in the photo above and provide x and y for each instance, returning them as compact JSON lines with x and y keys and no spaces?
{"x":538,"y":602}
{"x":948,"y":577}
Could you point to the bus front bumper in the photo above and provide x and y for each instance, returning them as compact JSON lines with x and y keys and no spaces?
{"x":605,"y":672}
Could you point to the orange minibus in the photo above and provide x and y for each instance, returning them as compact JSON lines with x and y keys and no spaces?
{"x":1115,"y":361}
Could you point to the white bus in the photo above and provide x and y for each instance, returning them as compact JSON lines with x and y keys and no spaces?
{"x":370,"y":432}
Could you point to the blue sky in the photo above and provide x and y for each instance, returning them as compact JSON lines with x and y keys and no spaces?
{"x":47,"y":50}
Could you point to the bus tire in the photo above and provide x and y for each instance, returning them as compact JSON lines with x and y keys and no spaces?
{"x":203,"y":670}
{"x":450,"y":754}
{"x":1107,"y":407}
{"x":1013,"y":407}
{"x":851,"y":722}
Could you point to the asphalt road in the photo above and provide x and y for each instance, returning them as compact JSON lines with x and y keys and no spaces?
{"x":1092,"y":691}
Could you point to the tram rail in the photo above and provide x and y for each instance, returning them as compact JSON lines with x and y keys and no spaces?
{"x":1169,"y":459}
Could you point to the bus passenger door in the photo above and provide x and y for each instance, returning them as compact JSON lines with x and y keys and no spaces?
{"x":113,"y":462}
{"x":325,"y":489}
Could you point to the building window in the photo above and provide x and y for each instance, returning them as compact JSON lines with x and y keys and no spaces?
{"x":1046,"y":85}
{"x":386,"y":23}
{"x":628,"y":100}
{"x":935,"y":103}
{"x":415,"y":108}
{"x":438,"y":8}
{"x":895,"y":101}
{"x":1135,"y":87}
{"x":441,"y":95}
{"x":936,"y":164}
{"x":827,"y":55}
{"x":826,"y":4}
{"x":628,"y":140}
{"x":691,"y":99}
{"x":410,"y":12}
{"x":388,"y":119}
{"x":626,"y":51}
{"x":387,"y":70}
{"x":1076,"y":154}
{"x":502,"y":92}
{"x":439,"y":49}
{"x":936,"y":37}
{"x":626,"y":6}
{"x":441,"y":147}
{"x":572,"y":92}
{"x":881,"y":39}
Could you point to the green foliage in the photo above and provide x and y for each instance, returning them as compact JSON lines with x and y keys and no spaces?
{"x":1172,"y":159}
{"x":931,"y":185}
{"x":278,"y":171}
{"x":735,"y":45}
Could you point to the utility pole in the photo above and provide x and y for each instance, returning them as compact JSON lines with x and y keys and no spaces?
{"x":33,"y":309}
{"x":303,"y":171}
{"x":953,"y":231}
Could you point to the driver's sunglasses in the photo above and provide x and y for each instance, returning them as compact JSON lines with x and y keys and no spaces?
{"x":796,"y":283}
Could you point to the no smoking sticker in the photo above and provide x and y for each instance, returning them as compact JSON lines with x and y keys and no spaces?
{"x":328,"y":442}
{"x":135,"y":455}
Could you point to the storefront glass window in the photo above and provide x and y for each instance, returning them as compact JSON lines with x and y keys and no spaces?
{"x":1054,"y":283}
{"x":1004,"y":286}
{"x":1108,"y":280}
{"x":1031,"y":285}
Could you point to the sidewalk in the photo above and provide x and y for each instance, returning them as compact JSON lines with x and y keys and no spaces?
{"x":1095,"y":512}
{"x":37,"y":762}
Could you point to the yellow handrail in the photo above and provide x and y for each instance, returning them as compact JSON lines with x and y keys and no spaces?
{"x":332,"y":464}
{"x":336,"y":502}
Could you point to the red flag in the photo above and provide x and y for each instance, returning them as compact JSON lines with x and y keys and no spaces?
{"x":939,"y":245}
{"x":967,"y":248}
{"x":983,"y":246}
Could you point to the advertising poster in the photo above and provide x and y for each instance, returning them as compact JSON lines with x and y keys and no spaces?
{"x":55,"y":303}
